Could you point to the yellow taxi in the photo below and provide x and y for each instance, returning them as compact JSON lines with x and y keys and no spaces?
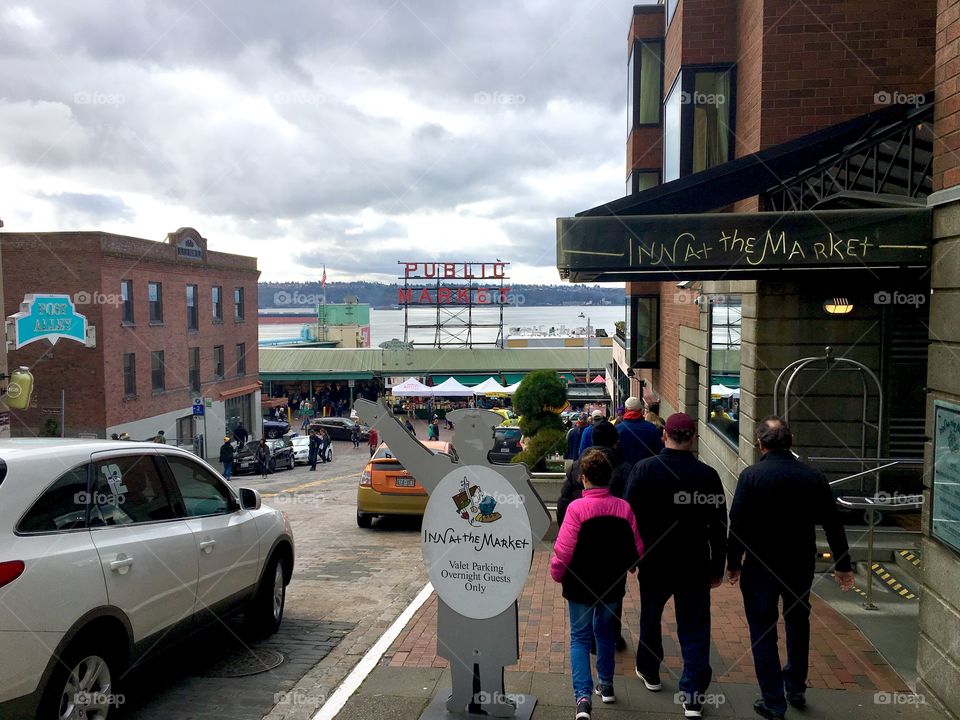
{"x":386,"y":488}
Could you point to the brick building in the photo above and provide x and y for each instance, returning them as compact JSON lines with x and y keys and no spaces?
{"x":173,"y":322}
{"x":790,"y":243}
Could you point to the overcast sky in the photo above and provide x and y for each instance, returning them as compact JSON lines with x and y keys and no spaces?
{"x":353,"y":133}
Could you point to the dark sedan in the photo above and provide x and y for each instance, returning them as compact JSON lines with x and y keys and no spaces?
{"x":506,"y":444}
{"x":275,"y":428}
{"x":339,"y":428}
{"x":281,"y":456}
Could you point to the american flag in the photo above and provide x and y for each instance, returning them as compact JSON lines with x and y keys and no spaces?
{"x":323,"y":279}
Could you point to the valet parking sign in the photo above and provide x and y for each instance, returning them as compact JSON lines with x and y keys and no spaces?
{"x":477,"y":543}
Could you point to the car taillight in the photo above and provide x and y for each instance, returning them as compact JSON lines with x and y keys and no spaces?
{"x":365,"y":479}
{"x":10,"y":571}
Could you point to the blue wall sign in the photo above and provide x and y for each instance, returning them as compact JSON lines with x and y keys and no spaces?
{"x":50,"y":317}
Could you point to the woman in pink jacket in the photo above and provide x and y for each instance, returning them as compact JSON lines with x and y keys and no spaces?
{"x":596,"y":547}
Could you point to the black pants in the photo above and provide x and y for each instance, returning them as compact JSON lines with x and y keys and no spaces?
{"x":692,"y":606}
{"x":312,"y":459}
{"x":762,"y":590}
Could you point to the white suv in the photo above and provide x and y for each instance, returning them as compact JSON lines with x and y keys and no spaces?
{"x":108,"y":548}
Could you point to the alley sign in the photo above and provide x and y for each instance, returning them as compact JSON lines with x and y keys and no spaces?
{"x":49,"y":317}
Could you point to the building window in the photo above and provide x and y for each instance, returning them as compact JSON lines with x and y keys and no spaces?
{"x":644,"y":83}
{"x":723,"y":399}
{"x":155,"y":298}
{"x":698,"y":121}
{"x":193,"y":320}
{"x":640,"y":180}
{"x":217,"y":303}
{"x":241,"y":358}
{"x":195,"y":369}
{"x":218,"y":361}
{"x":126,"y":297}
{"x":643,"y":331}
{"x":157,"y":371}
{"x":238,"y":308}
{"x":671,"y":8}
{"x":129,"y":375}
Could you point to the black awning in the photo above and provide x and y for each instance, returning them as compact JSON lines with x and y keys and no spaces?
{"x":757,"y":173}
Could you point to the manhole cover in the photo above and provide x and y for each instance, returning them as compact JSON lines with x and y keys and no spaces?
{"x":244,"y":662}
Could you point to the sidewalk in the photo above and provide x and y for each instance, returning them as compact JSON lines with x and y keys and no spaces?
{"x":848,"y":676}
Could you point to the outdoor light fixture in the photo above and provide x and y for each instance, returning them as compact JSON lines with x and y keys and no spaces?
{"x":837,"y":306}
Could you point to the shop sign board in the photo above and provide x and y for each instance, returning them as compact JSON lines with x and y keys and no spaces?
{"x":49,"y":316}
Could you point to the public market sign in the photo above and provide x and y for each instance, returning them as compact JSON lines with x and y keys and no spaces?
{"x":740,"y":245}
{"x":49,"y":317}
{"x":453,"y":283}
{"x":476,"y":540}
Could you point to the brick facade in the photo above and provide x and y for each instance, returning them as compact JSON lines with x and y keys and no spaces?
{"x":946,"y":161}
{"x":89,"y":266}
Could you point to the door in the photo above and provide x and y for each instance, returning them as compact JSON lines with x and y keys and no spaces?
{"x":147,"y":553}
{"x":226,"y":537}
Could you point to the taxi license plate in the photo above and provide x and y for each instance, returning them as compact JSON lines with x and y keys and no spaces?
{"x":405,"y":482}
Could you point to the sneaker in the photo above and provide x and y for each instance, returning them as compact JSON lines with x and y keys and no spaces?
{"x":605,"y":691}
{"x":583,"y":708}
{"x":652,"y":683}
{"x":763,"y":711}
{"x":692,"y":709}
{"x":797,"y":700}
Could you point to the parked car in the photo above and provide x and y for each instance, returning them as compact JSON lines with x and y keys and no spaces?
{"x":301,"y":450}
{"x":339,"y":428}
{"x":110,"y":551}
{"x":506,"y":444}
{"x":275,"y":428}
{"x":387,"y":488}
{"x":281,"y":456}
{"x":510,"y":418}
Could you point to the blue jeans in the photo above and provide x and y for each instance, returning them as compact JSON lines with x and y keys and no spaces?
{"x":587,"y":622}
{"x":762,"y":589}
{"x":692,"y":606}
{"x":228,"y":469}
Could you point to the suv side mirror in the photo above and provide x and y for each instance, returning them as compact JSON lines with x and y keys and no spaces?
{"x":249,"y":499}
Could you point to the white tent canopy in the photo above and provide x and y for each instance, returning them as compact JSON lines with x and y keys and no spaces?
{"x":451,"y":387}
{"x":490,"y":385}
{"x":411,"y":387}
{"x":720,"y":391}
{"x":511,"y":389}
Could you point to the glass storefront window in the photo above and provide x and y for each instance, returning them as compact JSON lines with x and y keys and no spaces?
{"x":723,"y":401}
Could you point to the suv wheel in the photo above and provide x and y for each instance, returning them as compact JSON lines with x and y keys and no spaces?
{"x":81,"y":686}
{"x":266,"y":613}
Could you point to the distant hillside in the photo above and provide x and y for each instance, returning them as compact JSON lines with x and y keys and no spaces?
{"x":292,"y":294}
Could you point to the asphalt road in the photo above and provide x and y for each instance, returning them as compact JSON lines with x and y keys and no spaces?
{"x":348,"y":586}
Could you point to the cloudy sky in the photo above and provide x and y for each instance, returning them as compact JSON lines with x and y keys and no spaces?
{"x":353,"y":133}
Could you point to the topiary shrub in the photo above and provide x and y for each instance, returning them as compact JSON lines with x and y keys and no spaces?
{"x":539,"y":401}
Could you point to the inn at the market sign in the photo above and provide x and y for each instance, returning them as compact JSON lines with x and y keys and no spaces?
{"x":736,"y":246}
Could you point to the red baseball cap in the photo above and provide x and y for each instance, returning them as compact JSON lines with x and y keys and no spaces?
{"x":681,"y":421}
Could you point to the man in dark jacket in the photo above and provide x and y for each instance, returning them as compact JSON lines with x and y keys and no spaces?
{"x":313,"y":449}
{"x":226,"y":457}
{"x":240,"y":434}
{"x":681,"y":515}
{"x":573,"y":438}
{"x":639,"y":439}
{"x":777,"y":506}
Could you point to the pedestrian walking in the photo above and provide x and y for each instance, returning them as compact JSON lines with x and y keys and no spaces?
{"x":373,"y":440}
{"x":681,"y":514}
{"x":313,"y":450}
{"x":596,"y":547}
{"x":586,"y":438}
{"x":778,"y":504}
{"x":324,"y":446}
{"x":436,"y":427}
{"x":240,"y":434}
{"x":639,"y":439}
{"x":355,"y":435}
{"x":653,"y":414}
{"x":263,"y":458}
{"x":573,"y":438}
{"x":160,"y":438}
{"x":431,"y":431}
{"x":410,"y":428}
{"x":226,"y":457}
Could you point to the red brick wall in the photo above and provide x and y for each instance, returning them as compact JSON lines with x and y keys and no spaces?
{"x":647,"y":23}
{"x":709,"y":31}
{"x":673,"y":47}
{"x":946,"y":162}
{"x":645,"y":149}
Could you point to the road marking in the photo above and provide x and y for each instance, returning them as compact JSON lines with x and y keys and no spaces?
{"x":305,"y":486}
{"x":895,"y":585}
{"x":368,"y":662}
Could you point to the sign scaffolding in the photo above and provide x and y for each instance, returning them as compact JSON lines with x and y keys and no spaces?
{"x":455,"y":290}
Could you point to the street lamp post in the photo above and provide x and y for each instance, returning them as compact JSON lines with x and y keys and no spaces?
{"x":588,"y":344}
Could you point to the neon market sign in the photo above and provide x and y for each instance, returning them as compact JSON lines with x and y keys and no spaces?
{"x":453,"y":283}
{"x":49,"y":317}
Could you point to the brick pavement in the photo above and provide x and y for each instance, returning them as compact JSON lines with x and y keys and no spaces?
{"x":841,"y":657}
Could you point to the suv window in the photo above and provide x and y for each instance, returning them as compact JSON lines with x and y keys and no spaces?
{"x":127,"y":490}
{"x":203,"y":493}
{"x":62,"y":506}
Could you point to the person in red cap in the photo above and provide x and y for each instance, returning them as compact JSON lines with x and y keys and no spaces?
{"x":681,"y":514}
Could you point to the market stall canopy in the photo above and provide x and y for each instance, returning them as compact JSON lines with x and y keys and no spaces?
{"x":450,"y":388}
{"x":511,"y":389}
{"x":411,"y":387}
{"x":490,"y":385}
{"x":599,"y":379}
{"x":721,"y":391}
